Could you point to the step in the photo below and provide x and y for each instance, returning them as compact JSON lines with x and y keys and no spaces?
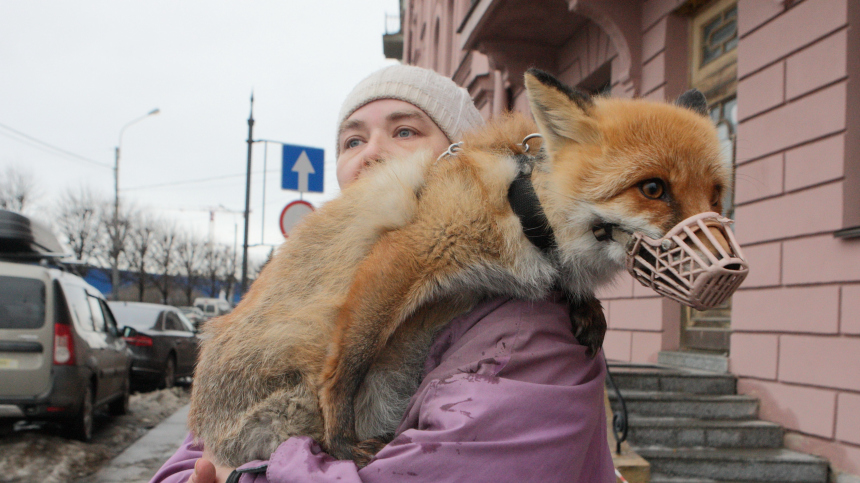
{"x":736,"y":464}
{"x":702,"y":406}
{"x":658,"y":478}
{"x":694,"y":360}
{"x":689,"y":432}
{"x":657,"y":378}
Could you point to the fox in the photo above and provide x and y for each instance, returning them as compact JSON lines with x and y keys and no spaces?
{"x":330,"y":340}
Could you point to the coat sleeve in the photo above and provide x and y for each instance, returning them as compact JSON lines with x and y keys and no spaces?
{"x":180,"y":466}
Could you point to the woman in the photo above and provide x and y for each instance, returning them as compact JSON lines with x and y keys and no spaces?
{"x":508,"y":393}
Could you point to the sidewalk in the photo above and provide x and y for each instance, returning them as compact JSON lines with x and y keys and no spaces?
{"x":139,"y":462}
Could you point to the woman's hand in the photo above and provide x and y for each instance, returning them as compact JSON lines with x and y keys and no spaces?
{"x":207,"y":472}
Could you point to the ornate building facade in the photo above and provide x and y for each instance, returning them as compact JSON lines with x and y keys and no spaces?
{"x":783,"y":80}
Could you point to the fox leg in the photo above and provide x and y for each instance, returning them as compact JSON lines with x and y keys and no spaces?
{"x":588,"y":322}
{"x":284,"y":413}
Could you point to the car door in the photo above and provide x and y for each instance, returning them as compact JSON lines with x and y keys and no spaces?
{"x":26,"y":331}
{"x":193,"y":340}
{"x":118,"y":353}
{"x":92,"y":352}
{"x":108,"y":361}
{"x":183,"y":340}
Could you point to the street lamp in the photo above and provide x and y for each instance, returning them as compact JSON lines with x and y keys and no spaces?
{"x":115,"y":238}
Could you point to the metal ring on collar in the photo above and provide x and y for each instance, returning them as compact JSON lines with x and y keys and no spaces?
{"x":525,"y":143}
{"x":452,"y":149}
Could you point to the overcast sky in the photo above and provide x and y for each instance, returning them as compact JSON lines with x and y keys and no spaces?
{"x":72,"y":74}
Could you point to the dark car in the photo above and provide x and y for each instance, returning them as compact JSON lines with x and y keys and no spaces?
{"x":163,"y":342}
{"x":61,"y":353}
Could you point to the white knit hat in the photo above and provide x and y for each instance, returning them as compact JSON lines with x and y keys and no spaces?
{"x":447,"y":104}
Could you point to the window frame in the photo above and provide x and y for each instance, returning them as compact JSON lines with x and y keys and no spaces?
{"x":719,"y":78}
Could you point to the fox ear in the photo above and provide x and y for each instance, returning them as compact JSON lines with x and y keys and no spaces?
{"x":561,"y":113}
{"x":693,"y":100}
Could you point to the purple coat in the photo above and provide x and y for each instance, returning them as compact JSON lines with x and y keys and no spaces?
{"x":509,"y":395}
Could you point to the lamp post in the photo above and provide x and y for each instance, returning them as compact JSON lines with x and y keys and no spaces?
{"x":244,"y":284}
{"x":115,"y":236}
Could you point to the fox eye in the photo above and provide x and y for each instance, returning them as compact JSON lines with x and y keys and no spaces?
{"x":653,"y":188}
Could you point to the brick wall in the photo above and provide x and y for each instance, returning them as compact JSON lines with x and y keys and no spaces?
{"x":796,"y":320}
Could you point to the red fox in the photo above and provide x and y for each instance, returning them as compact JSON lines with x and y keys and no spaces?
{"x":330,"y":340}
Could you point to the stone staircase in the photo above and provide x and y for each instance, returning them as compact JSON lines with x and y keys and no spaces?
{"x":693,"y":427}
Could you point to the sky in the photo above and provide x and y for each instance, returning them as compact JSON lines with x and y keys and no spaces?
{"x":73,"y":74}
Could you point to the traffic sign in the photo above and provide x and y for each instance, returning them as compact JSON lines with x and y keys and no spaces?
{"x":302,"y":168}
{"x":293,"y":214}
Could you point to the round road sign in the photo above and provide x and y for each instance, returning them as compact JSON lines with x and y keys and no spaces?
{"x":293,"y":214}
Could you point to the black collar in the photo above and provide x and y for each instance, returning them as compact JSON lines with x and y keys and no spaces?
{"x":525,"y":203}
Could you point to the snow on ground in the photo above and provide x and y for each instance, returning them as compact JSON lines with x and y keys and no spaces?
{"x":37,"y":452}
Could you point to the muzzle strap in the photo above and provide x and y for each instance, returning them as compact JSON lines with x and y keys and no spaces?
{"x":611,"y":232}
{"x":525,"y":203}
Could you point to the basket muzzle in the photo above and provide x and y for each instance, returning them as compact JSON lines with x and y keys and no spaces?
{"x":697,"y":263}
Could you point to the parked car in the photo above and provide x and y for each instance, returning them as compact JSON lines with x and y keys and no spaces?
{"x":195,"y":315}
{"x":212,"y":307}
{"x":163,"y":342}
{"x":61,"y":353}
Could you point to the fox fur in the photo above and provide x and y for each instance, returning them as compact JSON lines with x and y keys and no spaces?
{"x":330,"y":340}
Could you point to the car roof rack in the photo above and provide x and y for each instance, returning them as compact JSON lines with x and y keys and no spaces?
{"x":22,"y":239}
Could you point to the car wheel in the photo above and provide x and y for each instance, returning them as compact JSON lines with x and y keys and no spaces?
{"x":169,"y":378}
{"x":119,"y":406}
{"x":81,"y":427}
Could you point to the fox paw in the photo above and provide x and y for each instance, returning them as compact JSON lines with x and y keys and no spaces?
{"x":588,"y":323}
{"x":364,"y":451}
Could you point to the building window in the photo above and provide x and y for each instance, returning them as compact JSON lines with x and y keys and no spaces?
{"x":714,"y":59}
{"x":713,"y":70}
{"x":725,"y":117}
{"x":719,"y":35}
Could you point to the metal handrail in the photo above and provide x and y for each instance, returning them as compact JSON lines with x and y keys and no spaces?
{"x":619,"y":418}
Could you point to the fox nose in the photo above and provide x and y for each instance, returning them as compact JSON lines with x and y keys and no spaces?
{"x":717,"y":236}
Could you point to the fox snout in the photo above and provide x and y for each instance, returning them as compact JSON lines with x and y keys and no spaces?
{"x":698,"y":262}
{"x":705,"y":243}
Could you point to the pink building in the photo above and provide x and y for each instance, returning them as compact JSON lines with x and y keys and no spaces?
{"x":783,"y":79}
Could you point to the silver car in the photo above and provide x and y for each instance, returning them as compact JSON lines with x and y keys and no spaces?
{"x":61,"y":353}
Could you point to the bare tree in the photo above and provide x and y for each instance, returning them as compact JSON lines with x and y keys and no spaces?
{"x":164,"y":259}
{"x":79,"y":221}
{"x":189,"y":259}
{"x":139,"y":250}
{"x":216,"y":265}
{"x":117,"y":230}
{"x":17,"y":189}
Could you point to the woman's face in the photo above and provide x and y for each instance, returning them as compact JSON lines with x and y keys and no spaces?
{"x":383,"y":129}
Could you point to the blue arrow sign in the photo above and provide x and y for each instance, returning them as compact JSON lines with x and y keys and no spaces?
{"x":302,"y":168}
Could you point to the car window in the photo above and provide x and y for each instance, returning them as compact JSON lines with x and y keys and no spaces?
{"x":171,"y":322}
{"x":110,"y":321}
{"x":77,"y":298}
{"x":210,"y":309}
{"x":22,"y":303}
{"x":136,"y":316}
{"x":186,"y":323}
{"x":98,"y":316}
